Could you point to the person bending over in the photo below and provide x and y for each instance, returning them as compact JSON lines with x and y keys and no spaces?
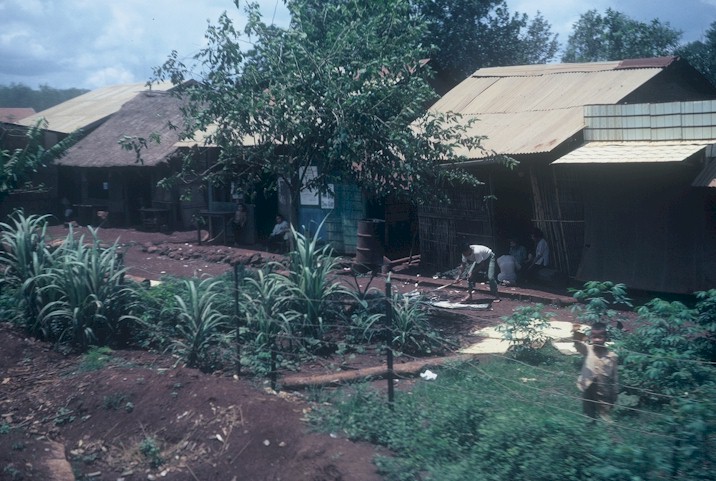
{"x":475,"y":258}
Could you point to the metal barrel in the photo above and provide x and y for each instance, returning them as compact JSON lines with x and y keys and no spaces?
{"x":369,"y":246}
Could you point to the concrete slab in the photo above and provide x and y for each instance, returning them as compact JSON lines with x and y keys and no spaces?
{"x":559,"y":332}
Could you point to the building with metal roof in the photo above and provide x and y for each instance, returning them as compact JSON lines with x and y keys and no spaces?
{"x":89,"y":110}
{"x":555,"y":120}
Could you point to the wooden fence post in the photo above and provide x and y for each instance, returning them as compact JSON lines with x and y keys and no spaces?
{"x":389,"y":349}
{"x":237,"y":320}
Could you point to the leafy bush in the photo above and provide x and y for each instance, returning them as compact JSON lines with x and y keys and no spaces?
{"x":706,"y":319}
{"x":598,"y":302}
{"x":524,"y":330}
{"x":154,"y":311}
{"x":660,"y":358}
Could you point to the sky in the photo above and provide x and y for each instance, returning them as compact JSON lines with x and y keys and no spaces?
{"x":93,"y":43}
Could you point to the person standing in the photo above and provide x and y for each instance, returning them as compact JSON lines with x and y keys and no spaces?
{"x":475,"y":258}
{"x":241,"y":216}
{"x":598,"y":379}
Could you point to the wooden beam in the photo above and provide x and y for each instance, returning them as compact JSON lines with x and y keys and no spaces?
{"x":408,"y":369}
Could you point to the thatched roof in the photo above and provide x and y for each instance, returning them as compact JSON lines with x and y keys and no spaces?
{"x":145,"y":114}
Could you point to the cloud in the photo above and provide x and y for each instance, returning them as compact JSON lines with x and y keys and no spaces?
{"x":78,"y":43}
{"x":83,"y":43}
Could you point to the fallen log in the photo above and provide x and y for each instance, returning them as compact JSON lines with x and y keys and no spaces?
{"x":403,"y":370}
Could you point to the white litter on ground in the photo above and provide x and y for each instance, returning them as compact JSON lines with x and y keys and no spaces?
{"x":458,"y":305}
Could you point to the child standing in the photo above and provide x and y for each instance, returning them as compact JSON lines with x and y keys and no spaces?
{"x":598,"y":379}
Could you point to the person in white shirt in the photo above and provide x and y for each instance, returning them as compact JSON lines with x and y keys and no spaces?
{"x":280,"y":232}
{"x":475,"y":258}
{"x":541,"y":257}
{"x":508,"y":270}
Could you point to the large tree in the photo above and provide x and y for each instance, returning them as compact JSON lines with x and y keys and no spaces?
{"x":472,"y":34}
{"x":615,"y":36}
{"x":702,"y":53}
{"x":343,"y":89}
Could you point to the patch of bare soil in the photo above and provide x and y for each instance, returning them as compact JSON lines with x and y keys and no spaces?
{"x":142,"y":417}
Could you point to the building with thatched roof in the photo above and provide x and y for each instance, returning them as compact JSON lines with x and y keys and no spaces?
{"x":117,"y":166}
{"x":80,"y":115}
{"x":542,"y":115}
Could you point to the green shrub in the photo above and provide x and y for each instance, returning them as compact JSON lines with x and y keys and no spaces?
{"x":96,"y":358}
{"x":525,"y":329}
{"x":154,"y":312}
{"x":149,"y":448}
{"x":598,"y":302}
{"x":706,"y":319}
{"x":660,"y":358}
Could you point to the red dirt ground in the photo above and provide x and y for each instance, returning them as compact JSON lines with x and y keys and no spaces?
{"x":207,"y":427}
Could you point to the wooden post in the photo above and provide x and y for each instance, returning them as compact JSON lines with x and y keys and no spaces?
{"x":237,"y":280}
{"x":389,"y":347}
{"x":120,"y":265}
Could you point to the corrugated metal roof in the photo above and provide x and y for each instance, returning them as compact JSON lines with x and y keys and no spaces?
{"x":544,"y":69}
{"x":631,"y":152}
{"x":646,"y":62}
{"x":87,"y":109}
{"x":535,"y":108}
{"x":526,"y":133}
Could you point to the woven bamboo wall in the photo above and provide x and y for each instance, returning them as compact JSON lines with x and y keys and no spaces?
{"x":559,"y":213}
{"x":442,"y":228}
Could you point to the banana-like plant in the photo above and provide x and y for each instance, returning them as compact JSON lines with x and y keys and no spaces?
{"x":86,"y":301}
{"x":312,"y":271}
{"x":25,"y":258}
{"x":199,"y":325}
